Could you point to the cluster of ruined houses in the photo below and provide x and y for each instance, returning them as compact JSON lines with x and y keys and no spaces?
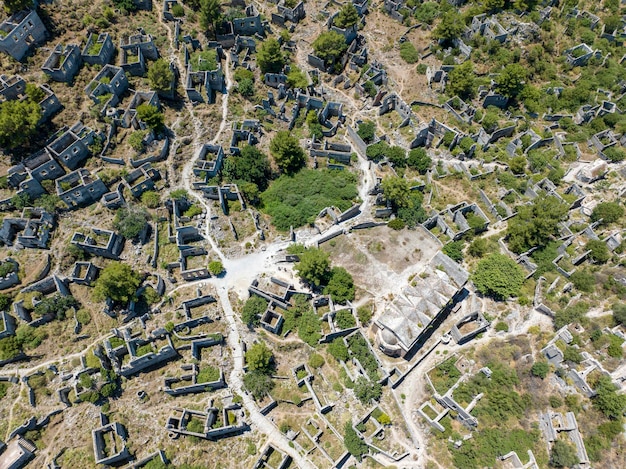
{"x":134,"y":350}
{"x":552,"y":424}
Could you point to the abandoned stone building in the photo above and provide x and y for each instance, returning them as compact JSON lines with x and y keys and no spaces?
{"x":142,"y":179}
{"x":70,"y":146}
{"x":7,"y":325}
{"x":130,"y":117}
{"x":63,"y":62}
{"x":209,"y":161}
{"x":285,"y":13}
{"x":404,"y":323}
{"x":31,"y":230}
{"x":17,"y":453}
{"x":110,"y":82}
{"x":99,"y":242}
{"x":99,"y":49}
{"x":553,"y":424}
{"x":208,"y":81}
{"x":116,"y":451}
{"x":80,"y":188}
{"x":20,"y":32}
{"x":216,"y":423}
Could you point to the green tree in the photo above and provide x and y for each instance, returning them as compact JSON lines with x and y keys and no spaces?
{"x":607,"y":400}
{"x":330,"y":46}
{"x":340,"y":286}
{"x":316,"y":361}
{"x":116,"y":281}
{"x":511,"y":80}
{"x":426,"y":12}
{"x":454,"y":250}
{"x":536,"y":224}
{"x":619,"y":312}
{"x":253,"y":309}
{"x":367,"y":131}
{"x":18,"y":122}
{"x":269,"y":57}
{"x":125,"y":5}
{"x":313,"y":123}
{"x":498,"y":276}
{"x":450,"y":27}
{"x":563,"y":455}
{"x":130,"y":221}
{"x":409,"y":53}
{"x":151,"y":199}
{"x":347,"y":17}
{"x":314,"y":266}
{"x":583,"y":281}
{"x":599,"y":252}
{"x":245,"y":87}
{"x":355,"y":446}
{"x":570,"y":314}
{"x":540,"y":369}
{"x":259,"y":357}
{"x":366,"y":390}
{"x":287,"y":152}
{"x":396,"y":190}
{"x":259,"y":384}
{"x":9,"y":348}
{"x":462,"y":80}
{"x":251,"y":165}
{"x":607,"y":213}
{"x":296,"y":78}
{"x":309,"y":327}
{"x":419,"y":160}
{"x":216,"y":268}
{"x":338,"y":350}
{"x":151,"y":116}
{"x":494,"y":5}
{"x":210,"y":14}
{"x":21,"y":201}
{"x":160,"y":75}
{"x":517,"y":165}
{"x":13,"y":6}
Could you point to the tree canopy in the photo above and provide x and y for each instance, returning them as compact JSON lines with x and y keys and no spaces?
{"x":607,"y":213}
{"x":118,"y":282}
{"x":160,"y":75}
{"x":314,"y":266}
{"x":367,"y":131}
{"x":355,"y":446}
{"x":251,"y":165}
{"x":330,"y":46}
{"x":397,"y":191}
{"x":498,"y":276}
{"x":130,"y":221}
{"x":347,"y":16}
{"x":419,"y":160}
{"x":287,"y":152}
{"x":210,"y":14}
{"x":450,"y":27}
{"x":563,"y":454}
{"x":18,"y":121}
{"x":536,"y":224}
{"x":511,"y":80}
{"x":461,"y":81}
{"x":340,"y":286}
{"x":151,"y":115}
{"x":253,"y":309}
{"x":259,"y":357}
{"x":269,"y":57}
{"x":297,"y":200}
